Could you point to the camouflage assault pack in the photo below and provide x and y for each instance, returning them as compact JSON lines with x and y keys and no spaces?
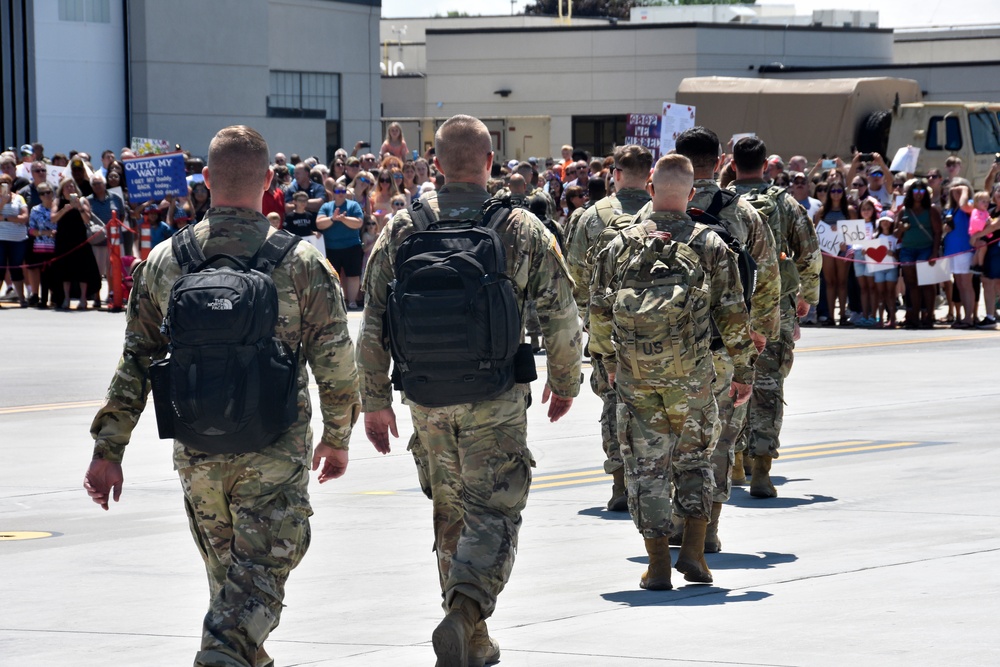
{"x":766,"y":203}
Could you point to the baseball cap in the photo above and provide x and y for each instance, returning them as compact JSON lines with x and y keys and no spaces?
{"x":512,"y":165}
{"x":533,"y":160}
{"x":26,"y":149}
{"x":875,"y":169}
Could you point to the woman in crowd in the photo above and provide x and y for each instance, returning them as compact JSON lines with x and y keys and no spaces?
{"x":13,"y":235}
{"x":81,"y":173}
{"x":398,"y":179}
{"x":887,"y":280}
{"x":382,"y":201}
{"x":42,"y":248}
{"x":820,"y":192}
{"x":74,"y":263}
{"x":337,"y":168}
{"x":199,"y":202}
{"x":423,"y":170}
{"x":918,"y":228}
{"x":859,"y":186}
{"x":394,"y":143}
{"x":782,"y":180}
{"x":835,"y":269}
{"x":410,"y":179}
{"x":576,"y":197}
{"x":555,"y":188}
{"x":869,"y":210}
{"x":958,"y":249}
{"x":361,"y":190}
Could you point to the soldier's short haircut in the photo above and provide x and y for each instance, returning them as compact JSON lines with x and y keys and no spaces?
{"x":749,"y":154}
{"x":596,"y":188}
{"x":673,"y":172}
{"x":238,"y":159}
{"x":700,"y":145}
{"x":462,"y":146}
{"x":635,"y":161}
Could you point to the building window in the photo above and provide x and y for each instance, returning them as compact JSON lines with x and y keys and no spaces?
{"x":598,"y":135}
{"x":304,"y":95}
{"x":85,"y":11}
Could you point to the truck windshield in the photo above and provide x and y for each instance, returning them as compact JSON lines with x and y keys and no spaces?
{"x":984,"y":131}
{"x":952,"y":139}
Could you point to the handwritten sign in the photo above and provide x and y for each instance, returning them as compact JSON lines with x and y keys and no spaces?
{"x":155,"y":176}
{"x":829,"y":237}
{"x":644,"y":130}
{"x":676,"y":119}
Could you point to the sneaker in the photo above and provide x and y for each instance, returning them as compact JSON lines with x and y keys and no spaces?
{"x":987,"y":323}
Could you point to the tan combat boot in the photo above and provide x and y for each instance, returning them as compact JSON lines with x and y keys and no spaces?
{"x":760,"y":478}
{"x":452,"y":636}
{"x":483,"y":649}
{"x":676,"y":528}
{"x":619,"y":499}
{"x":739,"y":476}
{"x":691,"y":560}
{"x":713,"y":544}
{"x":657,"y":575}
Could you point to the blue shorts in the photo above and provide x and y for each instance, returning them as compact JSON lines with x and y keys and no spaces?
{"x":910,"y":255}
{"x":887,"y":276}
{"x":860,"y":268}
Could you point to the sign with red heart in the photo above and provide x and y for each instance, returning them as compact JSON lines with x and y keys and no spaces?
{"x":878,"y":253}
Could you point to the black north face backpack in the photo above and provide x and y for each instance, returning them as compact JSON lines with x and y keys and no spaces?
{"x":452,"y":318}
{"x":744,"y":260}
{"x":228,"y":385}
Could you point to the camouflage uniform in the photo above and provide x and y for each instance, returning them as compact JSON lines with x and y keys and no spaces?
{"x":478,"y":464}
{"x":249,"y":513}
{"x":580,"y":257}
{"x":674,"y":422}
{"x":800,"y":263}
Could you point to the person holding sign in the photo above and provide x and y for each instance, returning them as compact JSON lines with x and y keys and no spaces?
{"x":918,"y":228}
{"x":835,"y":266}
{"x":886,"y":280}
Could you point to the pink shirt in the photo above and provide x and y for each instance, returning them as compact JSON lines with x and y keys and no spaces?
{"x":978,"y":220}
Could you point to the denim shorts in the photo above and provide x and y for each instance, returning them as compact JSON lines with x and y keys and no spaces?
{"x":887,"y":276}
{"x":910,"y":255}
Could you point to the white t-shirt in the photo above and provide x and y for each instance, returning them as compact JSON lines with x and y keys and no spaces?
{"x":13,"y":231}
{"x":812,"y":207}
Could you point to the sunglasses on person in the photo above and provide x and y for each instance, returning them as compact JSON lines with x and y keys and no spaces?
{"x":339,"y":191}
{"x":398,"y":204}
{"x":384,"y":180}
{"x":799,"y":181}
{"x":933,"y":177}
{"x":919,"y":190}
{"x":397,"y":177}
{"x":571,"y":171}
{"x":876,"y":174}
{"x":837,"y":191}
{"x":365,"y":180}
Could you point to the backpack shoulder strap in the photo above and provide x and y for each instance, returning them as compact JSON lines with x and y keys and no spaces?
{"x":720,"y":200}
{"x":274,"y":249}
{"x":495,"y":213}
{"x":186,"y":250}
{"x":422,"y":213}
{"x":605,"y":211}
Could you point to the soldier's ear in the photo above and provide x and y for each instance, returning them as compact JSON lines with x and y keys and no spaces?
{"x":691,"y":194}
{"x":649,"y":188}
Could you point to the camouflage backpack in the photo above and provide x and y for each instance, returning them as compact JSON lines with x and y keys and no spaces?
{"x":766,"y":203}
{"x":615,"y":220}
{"x":661,"y":321}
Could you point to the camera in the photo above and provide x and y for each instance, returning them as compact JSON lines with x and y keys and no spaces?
{"x":828,"y":164}
{"x":365,"y":144}
{"x":865,"y":157}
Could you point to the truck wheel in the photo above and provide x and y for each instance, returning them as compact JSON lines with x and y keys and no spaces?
{"x":873,"y":133}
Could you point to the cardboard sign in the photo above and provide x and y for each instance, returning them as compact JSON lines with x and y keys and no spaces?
{"x":55,"y":174}
{"x":676,"y":119}
{"x":830,"y":238}
{"x":932,"y":275}
{"x":155,"y":177}
{"x":142,"y":146}
{"x":644,"y":130}
{"x":905,"y":160}
{"x":877,"y":256}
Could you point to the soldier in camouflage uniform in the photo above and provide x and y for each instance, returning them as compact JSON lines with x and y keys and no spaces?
{"x":249,"y":513}
{"x":799,"y":263}
{"x":632,"y":165}
{"x":701,"y":146}
{"x":478,"y":465}
{"x":667,"y":399}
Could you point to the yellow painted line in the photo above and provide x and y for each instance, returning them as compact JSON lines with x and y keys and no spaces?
{"x":17,"y":409}
{"x":582,"y":473}
{"x":11,"y":536}
{"x":891,"y":343}
{"x":827,"y":445}
{"x":848,"y":450}
{"x":585,"y":480}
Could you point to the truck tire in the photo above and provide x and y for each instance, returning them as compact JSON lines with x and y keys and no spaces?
{"x":873,"y":133}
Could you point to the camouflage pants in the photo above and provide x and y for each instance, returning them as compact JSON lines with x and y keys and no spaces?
{"x":250,"y":519}
{"x":732,"y":421}
{"x":609,"y":418}
{"x":673,"y":430}
{"x":767,"y":405}
{"x":479,"y":469}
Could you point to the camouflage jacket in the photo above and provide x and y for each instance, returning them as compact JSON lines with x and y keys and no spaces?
{"x":580,"y":250}
{"x":796,"y":241}
{"x":310,"y":313}
{"x":726,"y":304}
{"x":534,"y":262}
{"x":745,"y":224}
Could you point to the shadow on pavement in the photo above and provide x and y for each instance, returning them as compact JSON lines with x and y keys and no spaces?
{"x":602,"y":513}
{"x":741,"y":498}
{"x":765,"y":560}
{"x":685,"y":595}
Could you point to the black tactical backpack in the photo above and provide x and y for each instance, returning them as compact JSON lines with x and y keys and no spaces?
{"x":744,"y":260}
{"x":452,"y":318}
{"x":228,"y":385}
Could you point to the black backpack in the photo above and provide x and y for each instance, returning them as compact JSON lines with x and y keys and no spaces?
{"x":452,"y":318}
{"x":229,"y":385}
{"x":744,"y":260}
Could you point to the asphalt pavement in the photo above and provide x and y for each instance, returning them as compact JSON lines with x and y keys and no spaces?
{"x":881,"y":549}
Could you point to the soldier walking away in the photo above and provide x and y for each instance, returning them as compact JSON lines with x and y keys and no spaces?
{"x":631,"y":170}
{"x":657,"y":288}
{"x":469,"y":413}
{"x":799,"y":263}
{"x":245,"y":481}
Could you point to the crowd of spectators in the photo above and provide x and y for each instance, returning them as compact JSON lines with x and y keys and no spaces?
{"x":341,"y":207}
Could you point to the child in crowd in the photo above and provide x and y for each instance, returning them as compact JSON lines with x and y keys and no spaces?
{"x":274,"y":219}
{"x":978,"y":220}
{"x":869,"y":209}
{"x":300,"y":221}
{"x":886,"y":281}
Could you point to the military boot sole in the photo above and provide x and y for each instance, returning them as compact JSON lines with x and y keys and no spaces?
{"x":655,"y":583}
{"x":450,"y":643}
{"x":763,"y":490}
{"x":694,"y":572}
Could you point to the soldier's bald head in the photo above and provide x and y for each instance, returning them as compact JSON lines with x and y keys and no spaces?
{"x":463,"y":149}
{"x":238,"y":164}
{"x":517,"y":184}
{"x":673,"y":183}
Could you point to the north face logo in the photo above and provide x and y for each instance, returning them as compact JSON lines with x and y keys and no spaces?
{"x":220,"y":304}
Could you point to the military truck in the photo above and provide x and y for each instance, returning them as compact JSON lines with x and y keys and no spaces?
{"x":816,"y":117}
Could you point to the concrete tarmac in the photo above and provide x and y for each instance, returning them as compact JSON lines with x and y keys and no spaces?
{"x":881,"y":549}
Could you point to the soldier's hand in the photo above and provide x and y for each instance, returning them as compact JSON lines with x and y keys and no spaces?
{"x":334,"y":465}
{"x":759,"y":342}
{"x":741,"y":392}
{"x":802,"y":307}
{"x":101,"y":479}
{"x":378,"y":425}
{"x":558,"y":406}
